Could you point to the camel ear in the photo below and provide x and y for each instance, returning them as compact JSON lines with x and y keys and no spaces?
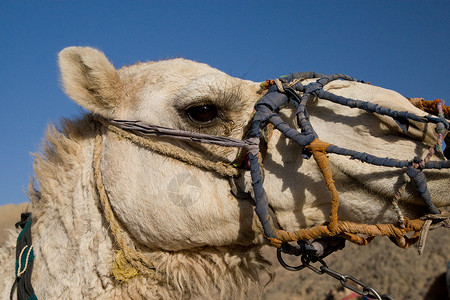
{"x":90,"y":79}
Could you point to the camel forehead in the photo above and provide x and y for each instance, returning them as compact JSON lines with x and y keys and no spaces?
{"x":160,"y":90}
{"x":155,"y":83}
{"x":175,"y":69}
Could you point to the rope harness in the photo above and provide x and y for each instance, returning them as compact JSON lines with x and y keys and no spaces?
{"x":286,"y":90}
{"x":289,"y":89}
{"x":266,"y":113}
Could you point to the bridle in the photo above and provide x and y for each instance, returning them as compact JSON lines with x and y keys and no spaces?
{"x":290,"y":90}
{"x":286,"y":90}
{"x":278,"y":95}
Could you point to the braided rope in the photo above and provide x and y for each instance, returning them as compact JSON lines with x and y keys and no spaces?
{"x":128,"y":262}
{"x":349,"y":231}
{"x":24,"y":260}
{"x":20,"y":271}
{"x":396,"y":199}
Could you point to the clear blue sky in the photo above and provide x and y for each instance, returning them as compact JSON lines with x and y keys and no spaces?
{"x":402,"y":45}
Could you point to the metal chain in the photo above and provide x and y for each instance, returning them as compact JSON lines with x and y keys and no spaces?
{"x":308,"y":255}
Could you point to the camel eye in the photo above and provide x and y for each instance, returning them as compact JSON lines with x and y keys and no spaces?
{"x":202,"y":114}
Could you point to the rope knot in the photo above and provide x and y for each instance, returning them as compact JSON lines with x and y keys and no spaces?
{"x":279,"y":85}
{"x":313,"y":87}
{"x":440,"y":128}
{"x":317,"y":145}
{"x":406,"y":178}
{"x":252,"y":145}
{"x":415,"y":163}
{"x":265,"y":85}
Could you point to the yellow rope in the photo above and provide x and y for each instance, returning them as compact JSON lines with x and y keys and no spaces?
{"x":128,"y":262}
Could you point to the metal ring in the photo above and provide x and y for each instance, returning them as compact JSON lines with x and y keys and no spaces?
{"x":285,"y":265}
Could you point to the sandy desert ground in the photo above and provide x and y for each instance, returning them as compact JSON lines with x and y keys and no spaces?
{"x":403,"y":274}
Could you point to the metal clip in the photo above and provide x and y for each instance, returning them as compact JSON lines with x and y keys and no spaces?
{"x":309,"y":254}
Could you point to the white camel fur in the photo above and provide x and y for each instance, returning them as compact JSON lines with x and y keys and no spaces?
{"x":203,"y":241}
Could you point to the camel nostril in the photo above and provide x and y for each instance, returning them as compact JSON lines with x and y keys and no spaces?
{"x":202,"y":114}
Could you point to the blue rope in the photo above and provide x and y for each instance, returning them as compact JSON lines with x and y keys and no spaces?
{"x":262,"y":202}
{"x":421,"y":185}
{"x":368,"y":158}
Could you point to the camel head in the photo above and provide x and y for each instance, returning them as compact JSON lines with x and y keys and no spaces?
{"x":166,"y":202}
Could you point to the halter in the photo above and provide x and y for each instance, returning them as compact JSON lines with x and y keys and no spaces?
{"x":290,"y":90}
{"x":278,"y":95}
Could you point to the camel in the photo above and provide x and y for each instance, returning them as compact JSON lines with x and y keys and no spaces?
{"x":101,"y":199}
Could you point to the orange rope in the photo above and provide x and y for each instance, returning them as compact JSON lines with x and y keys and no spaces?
{"x":351,"y":232}
{"x":429,"y":106}
{"x":348,"y":230}
{"x":318,"y":149}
